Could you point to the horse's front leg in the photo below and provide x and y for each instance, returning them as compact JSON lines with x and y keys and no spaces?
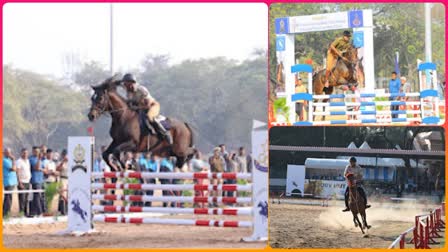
{"x":354,"y":220}
{"x":107,"y":152}
{"x":359,"y":223}
{"x":364,"y":220}
{"x":125,"y":146}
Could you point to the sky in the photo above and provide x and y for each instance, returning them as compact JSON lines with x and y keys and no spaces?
{"x":37,"y":37}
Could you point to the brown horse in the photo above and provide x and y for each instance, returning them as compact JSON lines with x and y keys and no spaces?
{"x":343,"y":73}
{"x":348,"y":73}
{"x":356,"y":204}
{"x":126,"y":131}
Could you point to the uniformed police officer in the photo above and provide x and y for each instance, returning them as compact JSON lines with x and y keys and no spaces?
{"x":138,"y":96}
{"x":337,"y":48}
{"x":354,"y":169}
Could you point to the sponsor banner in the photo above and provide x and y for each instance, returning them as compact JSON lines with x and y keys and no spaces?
{"x":318,"y":22}
{"x":325,"y":188}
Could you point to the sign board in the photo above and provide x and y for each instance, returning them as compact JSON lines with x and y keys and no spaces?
{"x":80,"y":150}
{"x":295,"y":179}
{"x":260,"y":171}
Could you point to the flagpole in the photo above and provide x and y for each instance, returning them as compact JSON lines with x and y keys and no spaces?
{"x":111,"y":14}
{"x":428,"y":45}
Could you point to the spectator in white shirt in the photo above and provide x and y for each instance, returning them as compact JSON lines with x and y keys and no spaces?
{"x":243,"y":161}
{"x":50,"y":167}
{"x":196,"y":163}
{"x":24,"y":176}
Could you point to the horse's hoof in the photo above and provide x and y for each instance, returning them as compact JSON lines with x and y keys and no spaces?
{"x":365,"y":236}
{"x":368,"y":227}
{"x":356,"y":225}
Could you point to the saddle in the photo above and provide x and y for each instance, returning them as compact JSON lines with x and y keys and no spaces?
{"x":147,"y":128}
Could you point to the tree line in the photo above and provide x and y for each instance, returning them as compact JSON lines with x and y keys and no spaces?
{"x":218,"y":97}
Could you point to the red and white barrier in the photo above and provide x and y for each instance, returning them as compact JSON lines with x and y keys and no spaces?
{"x":174,"y":210}
{"x":184,"y":199}
{"x":207,"y":223}
{"x":426,"y":229}
{"x":170,"y":175}
{"x":174,"y":187}
{"x":401,"y":240}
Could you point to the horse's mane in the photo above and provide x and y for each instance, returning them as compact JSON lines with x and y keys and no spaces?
{"x":111,"y":84}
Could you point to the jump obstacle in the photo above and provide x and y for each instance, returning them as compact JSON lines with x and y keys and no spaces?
{"x":425,"y":106}
{"x":83,"y":212}
{"x":425,"y":230}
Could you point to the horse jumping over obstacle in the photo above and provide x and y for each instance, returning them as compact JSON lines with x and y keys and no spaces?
{"x":370,"y":112}
{"x":80,"y":177}
{"x":126,"y":130}
{"x":345,"y":73}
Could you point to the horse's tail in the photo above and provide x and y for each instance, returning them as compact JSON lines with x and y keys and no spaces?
{"x":191,"y":134}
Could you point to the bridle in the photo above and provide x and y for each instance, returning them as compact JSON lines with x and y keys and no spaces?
{"x":102,"y":109}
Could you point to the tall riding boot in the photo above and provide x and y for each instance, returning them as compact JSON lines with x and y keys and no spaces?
{"x":165,"y":133}
{"x":363,"y":195}
{"x":347,"y":208}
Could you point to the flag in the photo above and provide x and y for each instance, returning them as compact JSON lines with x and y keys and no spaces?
{"x":90,"y":130}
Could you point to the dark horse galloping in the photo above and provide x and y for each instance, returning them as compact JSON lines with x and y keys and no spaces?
{"x":350,"y":72}
{"x":357,"y":204}
{"x":126,"y":132}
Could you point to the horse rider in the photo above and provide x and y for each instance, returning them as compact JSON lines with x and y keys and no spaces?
{"x":140,"y":99}
{"x":339,"y":46}
{"x":355,"y":169}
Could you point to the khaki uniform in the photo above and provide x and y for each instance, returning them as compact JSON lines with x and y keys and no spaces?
{"x":138,"y":97}
{"x":341,"y":45}
{"x":354,"y":170}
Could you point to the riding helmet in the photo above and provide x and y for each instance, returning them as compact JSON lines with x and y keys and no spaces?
{"x":128,"y":78}
{"x":352,"y":159}
{"x":347,"y":33}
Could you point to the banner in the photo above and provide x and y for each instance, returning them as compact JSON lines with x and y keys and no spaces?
{"x":295,"y":179}
{"x":318,"y":22}
{"x":80,"y":150}
{"x":260,"y":166}
{"x":325,"y":188}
